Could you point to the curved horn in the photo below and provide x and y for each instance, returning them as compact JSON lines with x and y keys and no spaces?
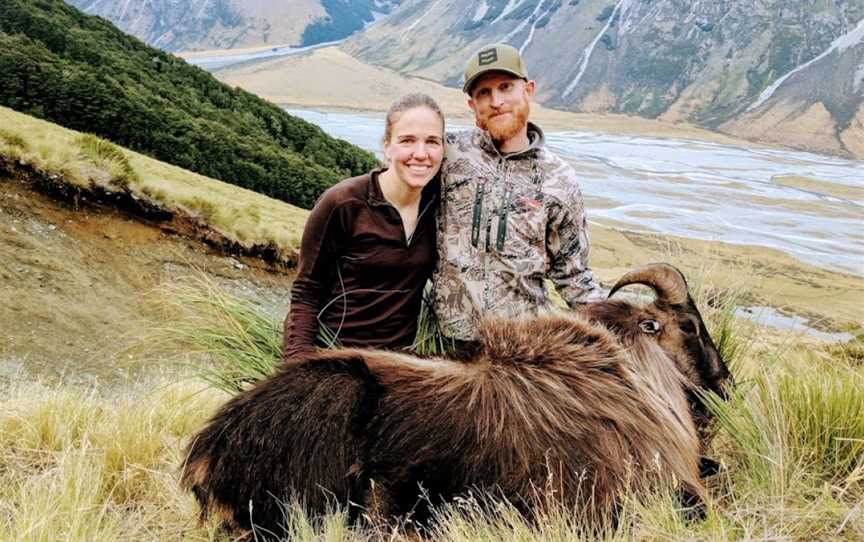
{"x":668,"y":283}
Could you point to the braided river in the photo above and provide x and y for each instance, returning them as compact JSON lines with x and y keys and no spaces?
{"x":809,"y":206}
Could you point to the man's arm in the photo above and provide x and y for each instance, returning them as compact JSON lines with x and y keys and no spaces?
{"x":567,"y":245}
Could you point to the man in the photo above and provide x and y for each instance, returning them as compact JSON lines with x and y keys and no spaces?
{"x":511,"y":210}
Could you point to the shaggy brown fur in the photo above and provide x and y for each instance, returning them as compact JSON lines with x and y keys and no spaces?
{"x":577,"y":408}
{"x":558,"y":402}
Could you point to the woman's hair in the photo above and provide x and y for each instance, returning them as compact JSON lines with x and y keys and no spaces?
{"x":409,"y":101}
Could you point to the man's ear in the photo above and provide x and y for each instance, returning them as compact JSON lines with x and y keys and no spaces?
{"x":530,"y":88}
{"x":472,"y":105}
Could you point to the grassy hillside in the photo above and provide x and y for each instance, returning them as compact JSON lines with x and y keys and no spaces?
{"x":83,"y":73}
{"x":90,"y":165}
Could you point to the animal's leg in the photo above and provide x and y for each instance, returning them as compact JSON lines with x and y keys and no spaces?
{"x":708,"y":467}
{"x":378,"y":503}
{"x":691,"y":499}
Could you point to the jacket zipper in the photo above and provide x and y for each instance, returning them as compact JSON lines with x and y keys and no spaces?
{"x":408,"y":239}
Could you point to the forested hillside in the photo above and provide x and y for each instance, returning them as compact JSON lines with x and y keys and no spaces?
{"x":83,"y":73}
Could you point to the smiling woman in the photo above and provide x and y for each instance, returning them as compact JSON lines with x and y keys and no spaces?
{"x":369,"y":244}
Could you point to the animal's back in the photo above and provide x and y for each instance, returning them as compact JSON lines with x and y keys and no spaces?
{"x":553,"y":401}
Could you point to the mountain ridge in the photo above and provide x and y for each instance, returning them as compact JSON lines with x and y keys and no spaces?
{"x":195,"y":25}
{"x":701,"y":62}
{"x":748,"y":70}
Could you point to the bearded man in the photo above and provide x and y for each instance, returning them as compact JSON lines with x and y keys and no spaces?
{"x":511,"y":210}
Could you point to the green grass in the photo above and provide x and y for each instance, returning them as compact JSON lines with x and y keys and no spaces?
{"x":77,"y":465}
{"x":243,"y":344}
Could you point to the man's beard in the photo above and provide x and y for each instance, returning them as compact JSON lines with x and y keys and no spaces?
{"x":502,"y":130}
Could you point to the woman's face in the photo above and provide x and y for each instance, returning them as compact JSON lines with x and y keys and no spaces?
{"x":416,"y":146}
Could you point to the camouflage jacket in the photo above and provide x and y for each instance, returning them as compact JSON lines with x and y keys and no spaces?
{"x":506,"y":223}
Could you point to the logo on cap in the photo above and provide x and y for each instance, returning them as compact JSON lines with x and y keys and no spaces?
{"x":489,"y":56}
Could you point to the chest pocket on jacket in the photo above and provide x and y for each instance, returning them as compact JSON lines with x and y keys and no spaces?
{"x":523,"y":229}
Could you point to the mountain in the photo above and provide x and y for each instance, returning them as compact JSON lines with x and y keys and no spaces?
{"x":83,"y":73}
{"x":191,"y":25}
{"x":708,"y":62}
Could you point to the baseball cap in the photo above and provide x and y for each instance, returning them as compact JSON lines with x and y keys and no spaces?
{"x":496,"y":57}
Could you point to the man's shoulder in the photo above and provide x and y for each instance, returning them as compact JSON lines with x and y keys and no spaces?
{"x":559,"y":176}
{"x":463,"y":143}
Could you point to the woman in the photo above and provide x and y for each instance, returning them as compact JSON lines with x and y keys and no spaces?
{"x":369,"y":244}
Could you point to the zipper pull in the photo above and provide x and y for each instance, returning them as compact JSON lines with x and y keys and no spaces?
{"x":478,"y":212}
{"x":502,"y":219}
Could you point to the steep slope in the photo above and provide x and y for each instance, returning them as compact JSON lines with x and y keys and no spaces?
{"x":192,"y":25}
{"x":81,"y":72}
{"x":702,"y":61}
{"x":80,"y":251}
{"x":800,"y":108}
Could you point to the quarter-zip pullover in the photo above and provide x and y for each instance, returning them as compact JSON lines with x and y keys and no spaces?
{"x":358,"y":275}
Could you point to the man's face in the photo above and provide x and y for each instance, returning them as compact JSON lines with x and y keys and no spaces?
{"x":501,"y":103}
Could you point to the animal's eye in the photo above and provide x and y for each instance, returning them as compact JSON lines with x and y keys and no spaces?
{"x":649,"y":326}
{"x":687,"y":326}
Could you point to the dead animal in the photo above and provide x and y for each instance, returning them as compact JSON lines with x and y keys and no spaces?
{"x":580,"y":407}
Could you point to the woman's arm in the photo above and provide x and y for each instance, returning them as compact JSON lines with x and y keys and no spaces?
{"x":319,"y":257}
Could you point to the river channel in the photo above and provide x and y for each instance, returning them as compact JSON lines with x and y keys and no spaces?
{"x":807,"y":205}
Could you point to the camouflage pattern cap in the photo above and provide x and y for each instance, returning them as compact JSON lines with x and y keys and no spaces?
{"x":496,"y":57}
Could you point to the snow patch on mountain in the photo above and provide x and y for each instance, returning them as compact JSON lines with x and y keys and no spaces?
{"x":524,"y":23}
{"x":850,"y":39}
{"x":481,"y":12}
{"x":621,"y":6}
{"x":508,"y":9}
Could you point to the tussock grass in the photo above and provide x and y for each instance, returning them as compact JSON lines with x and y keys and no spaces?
{"x":109,"y":158}
{"x":104,"y":467}
{"x":13,"y":140}
{"x":76,"y":465}
{"x":243,"y":344}
{"x":798,"y":425}
{"x":84,"y":160}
